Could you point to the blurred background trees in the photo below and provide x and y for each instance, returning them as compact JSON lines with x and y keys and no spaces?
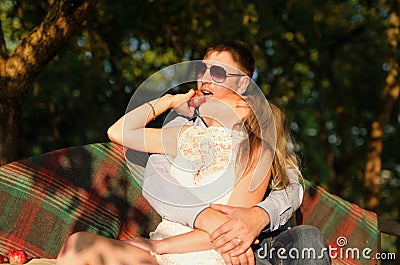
{"x":332,"y":65}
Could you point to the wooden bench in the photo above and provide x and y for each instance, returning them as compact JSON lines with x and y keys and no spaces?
{"x":45,"y":198}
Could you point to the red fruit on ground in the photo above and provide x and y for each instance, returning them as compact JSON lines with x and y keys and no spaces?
{"x":17,"y":257}
{"x":2,"y":259}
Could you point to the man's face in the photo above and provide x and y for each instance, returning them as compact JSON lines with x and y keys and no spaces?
{"x":219,"y":90}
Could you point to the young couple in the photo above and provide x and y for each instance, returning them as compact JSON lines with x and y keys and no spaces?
{"x":227,"y":159}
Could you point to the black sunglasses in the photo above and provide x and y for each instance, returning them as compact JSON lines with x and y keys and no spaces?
{"x":218,"y":73}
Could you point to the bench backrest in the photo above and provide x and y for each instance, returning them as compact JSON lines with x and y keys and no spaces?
{"x":45,"y":198}
{"x":350,"y":231}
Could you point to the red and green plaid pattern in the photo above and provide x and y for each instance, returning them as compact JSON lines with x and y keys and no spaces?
{"x":45,"y":198}
{"x":345,"y":226}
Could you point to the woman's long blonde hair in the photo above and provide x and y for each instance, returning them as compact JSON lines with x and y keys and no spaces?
{"x":285,"y":151}
{"x":255,"y":124}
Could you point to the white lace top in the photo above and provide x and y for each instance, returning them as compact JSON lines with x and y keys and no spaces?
{"x":204,"y":154}
{"x":205,"y":165}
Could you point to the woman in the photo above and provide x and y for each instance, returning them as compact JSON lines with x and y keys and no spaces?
{"x":228,"y":123}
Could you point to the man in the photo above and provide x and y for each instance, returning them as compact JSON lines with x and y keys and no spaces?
{"x":233,"y":230}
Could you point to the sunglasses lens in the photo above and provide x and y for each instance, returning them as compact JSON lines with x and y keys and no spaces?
{"x":199,"y":69}
{"x":218,"y":73}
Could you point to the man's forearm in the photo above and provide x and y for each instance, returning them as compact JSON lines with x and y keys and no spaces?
{"x":281,"y":204}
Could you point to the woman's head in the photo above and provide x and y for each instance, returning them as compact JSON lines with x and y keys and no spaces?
{"x":258,"y":124}
{"x":229,"y":111}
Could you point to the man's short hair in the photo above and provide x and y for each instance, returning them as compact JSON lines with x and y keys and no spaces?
{"x":240,"y":54}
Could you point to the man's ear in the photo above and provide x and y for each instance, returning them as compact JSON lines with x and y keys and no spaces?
{"x":243,"y":84}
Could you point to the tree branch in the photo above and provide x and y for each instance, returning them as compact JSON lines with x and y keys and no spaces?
{"x":46,"y":40}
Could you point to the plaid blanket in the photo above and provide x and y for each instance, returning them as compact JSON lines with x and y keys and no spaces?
{"x":348,"y":229}
{"x":44,"y":199}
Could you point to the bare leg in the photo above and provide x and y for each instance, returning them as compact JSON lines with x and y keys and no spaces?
{"x":83,"y":248}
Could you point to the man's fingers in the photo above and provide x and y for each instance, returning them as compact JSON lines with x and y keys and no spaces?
{"x":228,"y":242}
{"x":250,"y":256}
{"x":222,"y":229}
{"x":235,"y":260}
{"x":226,"y":237}
{"x":229,"y":246}
{"x":239,"y":249}
{"x":231,"y":241}
{"x":243,"y":259}
{"x":227,"y":258}
{"x":246,"y":258}
{"x":222,"y":208}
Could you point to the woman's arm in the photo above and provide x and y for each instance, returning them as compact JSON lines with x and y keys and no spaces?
{"x":130,"y":130}
{"x":242,"y":196}
{"x":196,"y":240}
{"x":246,"y":193}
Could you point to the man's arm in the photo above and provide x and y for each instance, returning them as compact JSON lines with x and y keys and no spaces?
{"x":275,"y":211}
{"x":280,"y":205}
{"x":248,"y":223}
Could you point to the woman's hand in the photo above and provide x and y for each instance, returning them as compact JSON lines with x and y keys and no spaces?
{"x":178,"y":99}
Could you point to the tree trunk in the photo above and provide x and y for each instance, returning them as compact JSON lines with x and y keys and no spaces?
{"x":18,"y":70}
{"x":9,"y":117}
{"x":390,"y":95}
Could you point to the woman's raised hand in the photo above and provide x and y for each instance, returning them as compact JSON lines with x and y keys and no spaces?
{"x":178,"y":99}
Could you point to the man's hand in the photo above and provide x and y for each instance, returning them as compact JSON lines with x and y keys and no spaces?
{"x":236,"y":235}
{"x":246,"y":258}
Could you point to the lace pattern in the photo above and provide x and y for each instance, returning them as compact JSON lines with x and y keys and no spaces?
{"x":205,"y":153}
